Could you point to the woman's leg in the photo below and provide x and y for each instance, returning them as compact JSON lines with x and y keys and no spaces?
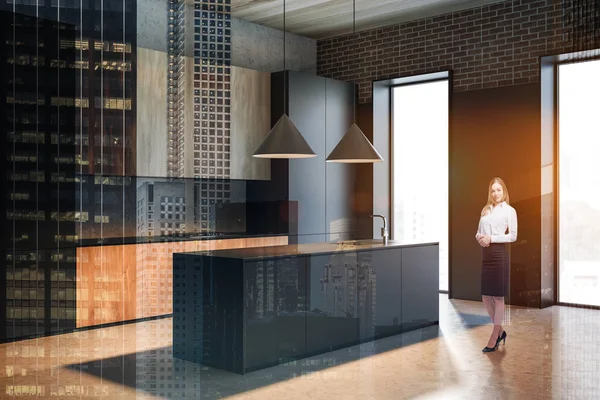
{"x":488,"y":301}
{"x":498,"y":305}
{"x":498,"y":314}
{"x":491,"y":309}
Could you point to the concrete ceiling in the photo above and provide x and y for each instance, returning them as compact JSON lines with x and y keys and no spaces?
{"x":325,"y":18}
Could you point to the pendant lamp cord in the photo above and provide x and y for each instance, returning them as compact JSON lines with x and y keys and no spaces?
{"x":353,"y":38}
{"x":284,"y":73}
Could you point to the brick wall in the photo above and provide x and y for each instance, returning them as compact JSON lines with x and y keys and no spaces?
{"x":491,"y":46}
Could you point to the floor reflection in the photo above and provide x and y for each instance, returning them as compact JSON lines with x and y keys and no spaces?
{"x":550,"y":353}
{"x":157,"y":372}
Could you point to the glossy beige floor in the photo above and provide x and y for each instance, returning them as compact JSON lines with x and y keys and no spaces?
{"x":549,"y":354}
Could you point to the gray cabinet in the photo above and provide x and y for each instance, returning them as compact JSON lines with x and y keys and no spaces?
{"x":379,"y":293}
{"x":332,"y":313}
{"x":420,"y":286}
{"x":274,"y":304}
{"x":322,"y":110}
{"x":245,"y":309}
{"x":307,"y":176}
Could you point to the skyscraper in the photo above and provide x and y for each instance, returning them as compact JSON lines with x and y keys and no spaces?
{"x":38,"y":90}
{"x":68,"y":91}
{"x":199,"y":51}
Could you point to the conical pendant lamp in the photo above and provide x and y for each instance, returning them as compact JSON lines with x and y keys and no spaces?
{"x":284,"y":140}
{"x":354,"y":146}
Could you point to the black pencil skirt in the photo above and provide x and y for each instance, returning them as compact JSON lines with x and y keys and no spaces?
{"x":495,"y":265}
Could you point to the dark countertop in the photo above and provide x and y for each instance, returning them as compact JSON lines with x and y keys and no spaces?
{"x":173,"y":238}
{"x":305,"y":249}
{"x":115,"y":241}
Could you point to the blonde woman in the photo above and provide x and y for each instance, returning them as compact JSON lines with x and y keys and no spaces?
{"x":497,"y":228}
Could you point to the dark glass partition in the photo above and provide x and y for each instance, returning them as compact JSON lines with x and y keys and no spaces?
{"x":120,"y":129}
{"x":94,"y":210}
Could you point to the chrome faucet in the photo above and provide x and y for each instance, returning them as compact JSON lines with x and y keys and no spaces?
{"x":384,"y":231}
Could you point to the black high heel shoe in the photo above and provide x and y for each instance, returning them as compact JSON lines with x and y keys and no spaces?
{"x":501,"y":338}
{"x":490,"y":349}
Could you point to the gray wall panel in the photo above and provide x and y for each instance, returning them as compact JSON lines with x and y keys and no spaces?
{"x":381,"y":170}
{"x":339,"y":178}
{"x":307,"y":176}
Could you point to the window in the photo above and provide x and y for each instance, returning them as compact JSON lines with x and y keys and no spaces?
{"x":579,"y":183}
{"x":420,"y":166}
{"x":101,"y":219}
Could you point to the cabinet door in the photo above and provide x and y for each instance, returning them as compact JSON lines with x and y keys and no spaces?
{"x":307,"y":177}
{"x":420,"y":286}
{"x":379,"y":293}
{"x":208,"y":310}
{"x":275,"y":300}
{"x":332,"y":313}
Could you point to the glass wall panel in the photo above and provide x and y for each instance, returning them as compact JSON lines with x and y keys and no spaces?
{"x":129,"y":136}
{"x":76,"y":174}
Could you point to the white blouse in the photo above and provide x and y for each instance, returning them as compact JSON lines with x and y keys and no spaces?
{"x":500,"y":219}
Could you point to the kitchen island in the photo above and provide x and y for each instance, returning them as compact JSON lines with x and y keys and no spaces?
{"x":242,"y":310}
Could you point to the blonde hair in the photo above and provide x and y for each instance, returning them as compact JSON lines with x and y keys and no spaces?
{"x":490,"y":200}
